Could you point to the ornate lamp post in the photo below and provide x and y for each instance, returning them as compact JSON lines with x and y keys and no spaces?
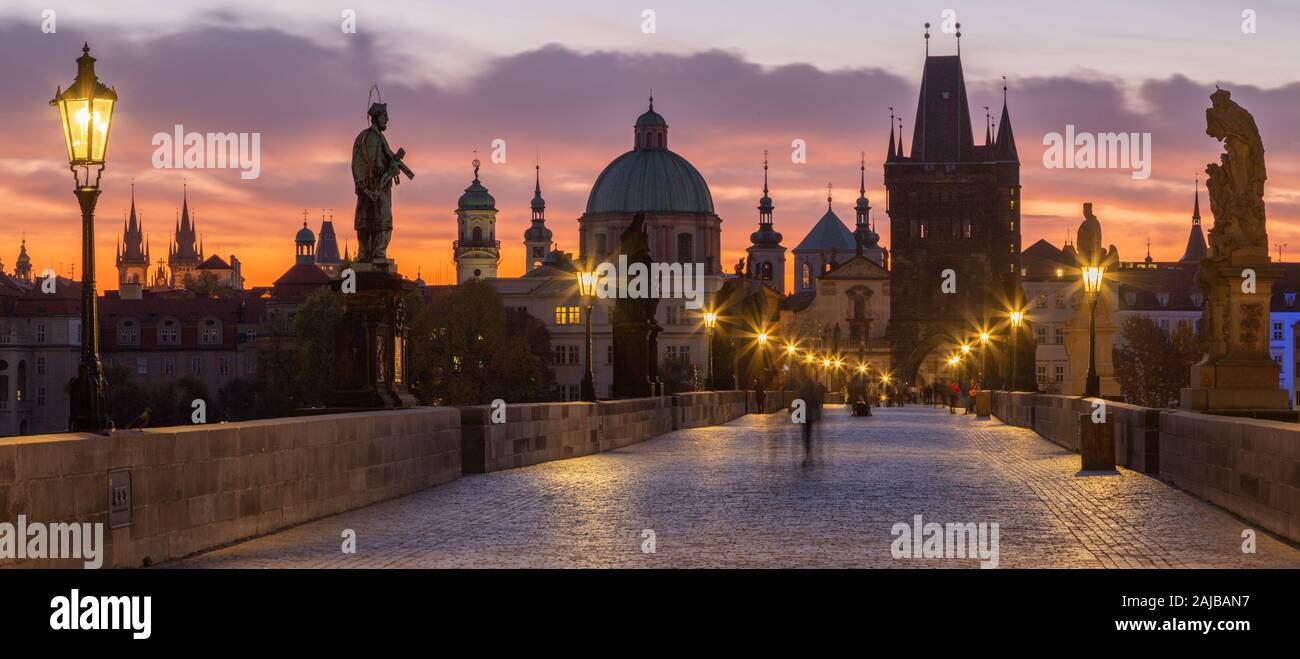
{"x":587,"y":289}
{"x":1092,"y":276}
{"x":710,"y":322}
{"x":1017,"y":318}
{"x":86,"y":113}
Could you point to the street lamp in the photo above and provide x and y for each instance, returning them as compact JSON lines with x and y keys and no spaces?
{"x":587,"y":289}
{"x":710,"y":322}
{"x":984,"y":353}
{"x":1092,"y":276}
{"x":1017,"y":318}
{"x":86,"y":113}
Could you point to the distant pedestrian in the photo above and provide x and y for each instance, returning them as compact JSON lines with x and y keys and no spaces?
{"x":812,"y":394}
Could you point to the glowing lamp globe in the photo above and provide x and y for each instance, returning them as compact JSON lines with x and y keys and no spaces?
{"x":86,"y":111}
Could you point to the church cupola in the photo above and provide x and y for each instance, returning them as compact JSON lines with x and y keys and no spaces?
{"x":537,"y":239}
{"x":766,"y":254}
{"x":862,"y":234}
{"x":23,"y":267}
{"x":476,"y":249}
{"x":651,"y":130}
{"x":305,"y":245}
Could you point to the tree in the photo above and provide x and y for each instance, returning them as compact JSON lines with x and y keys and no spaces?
{"x":1152,"y":365}
{"x":677,"y":373}
{"x":313,"y":347}
{"x":466,"y":348}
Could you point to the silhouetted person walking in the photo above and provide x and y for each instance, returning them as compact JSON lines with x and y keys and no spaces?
{"x":812,"y":395}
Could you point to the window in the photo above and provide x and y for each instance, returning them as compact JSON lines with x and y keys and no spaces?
{"x":676,"y":315}
{"x":169,"y":366}
{"x":1060,"y":300}
{"x":765,"y":271}
{"x":223,"y":365}
{"x":40,"y":332}
{"x":1041,"y":334}
{"x":1042,"y":373}
{"x":1060,"y":373}
{"x":679,"y":352}
{"x":601,"y":247}
{"x":967,"y":231}
{"x":169,"y":332}
{"x":40,"y":397}
{"x":1277,"y":331}
{"x":567,"y":392}
{"x":923,"y":229}
{"x":1041,"y":301}
{"x":40,"y":366}
{"x":1290,"y":298}
{"x":1130,"y":299}
{"x":1164,"y":325}
{"x":806,"y":276}
{"x":196,"y":365}
{"x":1164,"y":299}
{"x":127,"y":333}
{"x":211,"y":332}
{"x":567,"y":316}
{"x":141,"y":366}
{"x":250,"y":334}
{"x":1059,"y":338}
{"x":685,"y":248}
{"x":566,"y":354}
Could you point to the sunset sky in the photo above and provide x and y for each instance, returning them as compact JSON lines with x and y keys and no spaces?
{"x":564,"y":80}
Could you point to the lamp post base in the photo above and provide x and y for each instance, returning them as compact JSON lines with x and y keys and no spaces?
{"x":89,"y":393}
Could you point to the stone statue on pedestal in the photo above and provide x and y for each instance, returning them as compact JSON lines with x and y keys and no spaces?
{"x":636,"y":332}
{"x":1237,"y":374}
{"x":370,"y":340}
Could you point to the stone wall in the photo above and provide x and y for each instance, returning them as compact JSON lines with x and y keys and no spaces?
{"x":1014,"y":408}
{"x":1247,"y":466}
{"x":198,"y":487}
{"x":532,"y":433}
{"x":709,"y":408}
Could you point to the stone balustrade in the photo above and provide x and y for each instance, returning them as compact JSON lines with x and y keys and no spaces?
{"x":193,"y":488}
{"x":1249,"y":467}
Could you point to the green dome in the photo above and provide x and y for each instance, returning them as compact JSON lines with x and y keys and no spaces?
{"x":476,"y":197}
{"x":650,"y":180}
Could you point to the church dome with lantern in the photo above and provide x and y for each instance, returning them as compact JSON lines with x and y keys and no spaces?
{"x":650,"y":178}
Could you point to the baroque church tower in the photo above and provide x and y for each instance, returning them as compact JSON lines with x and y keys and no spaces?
{"x":766,"y":253}
{"x":954,"y":212}
{"x":537,"y":239}
{"x":476,"y":249}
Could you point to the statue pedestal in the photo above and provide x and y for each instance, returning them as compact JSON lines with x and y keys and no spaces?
{"x":370,"y":343}
{"x":635,"y":356}
{"x":1237,"y":375}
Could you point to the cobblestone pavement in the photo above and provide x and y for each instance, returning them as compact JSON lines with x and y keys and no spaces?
{"x":737,"y":495}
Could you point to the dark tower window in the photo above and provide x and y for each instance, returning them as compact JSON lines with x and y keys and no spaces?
{"x":601,"y":248}
{"x":807,"y":275}
{"x":685,"y":251}
{"x":477,"y":236}
{"x":766,"y":271}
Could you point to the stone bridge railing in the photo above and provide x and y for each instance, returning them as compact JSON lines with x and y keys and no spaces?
{"x":1248,"y":466}
{"x":189,"y":489}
